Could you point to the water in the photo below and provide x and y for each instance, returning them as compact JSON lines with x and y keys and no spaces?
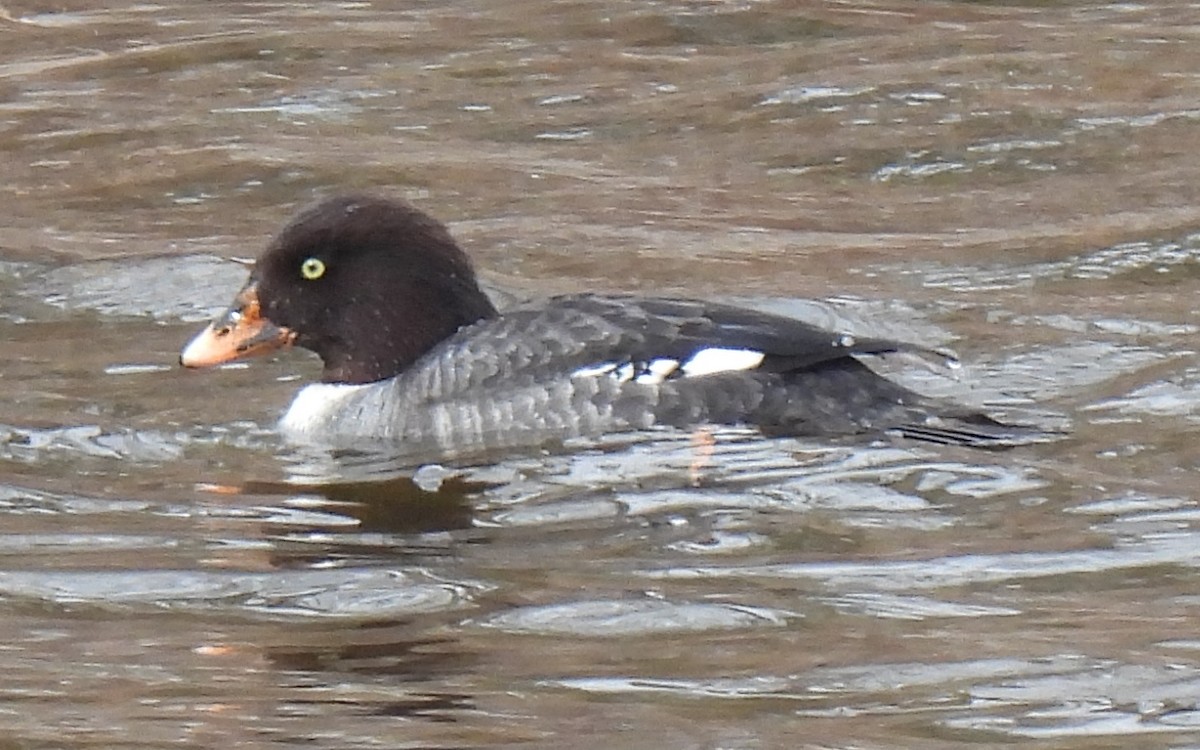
{"x":1016,"y":182}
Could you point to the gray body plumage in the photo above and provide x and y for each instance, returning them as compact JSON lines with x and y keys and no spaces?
{"x":587,"y":364}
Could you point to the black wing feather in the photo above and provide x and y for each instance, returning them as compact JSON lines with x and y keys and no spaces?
{"x":679,"y":328}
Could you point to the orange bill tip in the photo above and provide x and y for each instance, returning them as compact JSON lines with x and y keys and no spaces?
{"x":240,"y":332}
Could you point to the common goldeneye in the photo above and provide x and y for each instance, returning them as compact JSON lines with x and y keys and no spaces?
{"x":415,"y":351}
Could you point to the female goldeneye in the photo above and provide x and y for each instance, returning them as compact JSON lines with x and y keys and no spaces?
{"x":415,"y":351}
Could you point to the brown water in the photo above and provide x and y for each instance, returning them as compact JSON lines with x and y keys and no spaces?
{"x":1019,"y":181}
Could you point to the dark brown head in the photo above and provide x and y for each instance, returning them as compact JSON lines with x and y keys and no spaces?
{"x":370,"y":284}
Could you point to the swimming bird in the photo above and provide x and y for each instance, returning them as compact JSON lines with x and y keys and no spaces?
{"x":415,"y":351}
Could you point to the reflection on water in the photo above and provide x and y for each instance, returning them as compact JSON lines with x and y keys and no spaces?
{"x":1013,"y":181}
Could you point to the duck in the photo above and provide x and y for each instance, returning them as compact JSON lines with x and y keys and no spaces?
{"x":415,"y":352}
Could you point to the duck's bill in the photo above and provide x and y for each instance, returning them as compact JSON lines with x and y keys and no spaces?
{"x":240,"y":332}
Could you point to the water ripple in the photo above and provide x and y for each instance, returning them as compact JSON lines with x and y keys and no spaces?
{"x":1182,"y":549}
{"x":345,"y":593}
{"x":632,"y":617}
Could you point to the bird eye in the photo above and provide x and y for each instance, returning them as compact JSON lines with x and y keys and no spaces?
{"x":312,"y":269}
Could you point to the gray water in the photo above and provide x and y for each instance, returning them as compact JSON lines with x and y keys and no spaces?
{"x":1017,"y":182}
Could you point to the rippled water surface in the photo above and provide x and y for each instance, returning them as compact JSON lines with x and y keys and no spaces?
{"x":1018,"y":181}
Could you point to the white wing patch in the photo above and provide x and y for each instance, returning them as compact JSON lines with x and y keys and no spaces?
{"x":708,"y":361}
{"x":658,"y":370}
{"x":595,"y":371}
{"x":703,"y":362}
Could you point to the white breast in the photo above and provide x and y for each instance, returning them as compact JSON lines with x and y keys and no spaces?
{"x":317,"y":406}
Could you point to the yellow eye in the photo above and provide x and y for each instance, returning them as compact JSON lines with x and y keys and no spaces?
{"x":312,"y":269}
